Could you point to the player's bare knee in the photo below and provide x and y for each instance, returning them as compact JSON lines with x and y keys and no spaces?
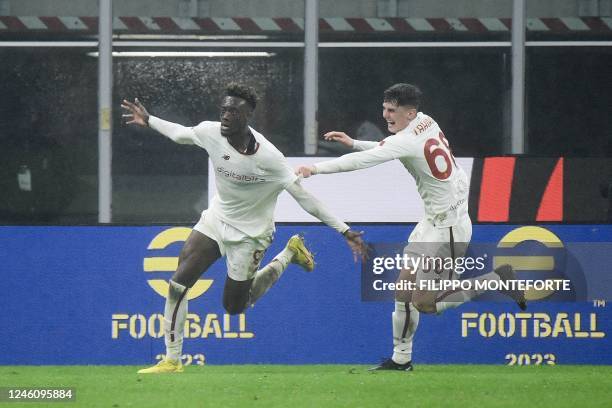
{"x":404,"y":296}
{"x":424,"y":305}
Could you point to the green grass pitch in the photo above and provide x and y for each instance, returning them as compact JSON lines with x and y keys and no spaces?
{"x":320,"y":386}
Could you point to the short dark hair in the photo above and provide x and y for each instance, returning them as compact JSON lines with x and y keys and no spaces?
{"x":242,"y":91}
{"x":404,"y":94}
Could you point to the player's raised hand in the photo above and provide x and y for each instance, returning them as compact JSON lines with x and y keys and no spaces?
{"x":356,"y":243}
{"x":340,"y":137}
{"x":305,"y":171}
{"x":137,"y":113}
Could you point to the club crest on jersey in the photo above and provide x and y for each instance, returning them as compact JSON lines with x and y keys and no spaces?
{"x":226,"y":157}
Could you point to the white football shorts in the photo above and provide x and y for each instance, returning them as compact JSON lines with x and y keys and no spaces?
{"x":438,"y":244}
{"x":243,"y":253}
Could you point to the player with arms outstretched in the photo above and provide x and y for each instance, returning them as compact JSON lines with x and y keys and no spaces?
{"x":250,"y":173}
{"x":445,"y":231}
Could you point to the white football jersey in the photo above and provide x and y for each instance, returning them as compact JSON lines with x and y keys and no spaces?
{"x":248,"y":185}
{"x":424,"y":151}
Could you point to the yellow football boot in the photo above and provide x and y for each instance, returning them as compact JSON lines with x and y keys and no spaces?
{"x":164,"y":366}
{"x":301,"y":254}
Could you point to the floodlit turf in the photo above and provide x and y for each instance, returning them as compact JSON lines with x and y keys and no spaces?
{"x":324,"y":385}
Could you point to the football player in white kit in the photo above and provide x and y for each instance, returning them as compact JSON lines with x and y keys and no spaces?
{"x":250,"y":173}
{"x":445,"y":231}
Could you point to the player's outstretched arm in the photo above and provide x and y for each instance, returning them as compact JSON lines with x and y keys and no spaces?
{"x":316,"y":208}
{"x":137,"y":114}
{"x":350,"y":162}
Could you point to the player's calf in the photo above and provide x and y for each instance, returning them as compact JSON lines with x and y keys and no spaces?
{"x":236,"y":295}
{"x":233,"y":309}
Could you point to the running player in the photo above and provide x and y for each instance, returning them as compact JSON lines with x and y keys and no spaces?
{"x":419,"y":144}
{"x":250,"y":173}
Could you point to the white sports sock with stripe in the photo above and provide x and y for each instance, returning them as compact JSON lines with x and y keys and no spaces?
{"x":175,"y":314}
{"x":269,"y":274}
{"x":405,"y":323}
{"x":284,"y":257}
{"x":266,"y":277}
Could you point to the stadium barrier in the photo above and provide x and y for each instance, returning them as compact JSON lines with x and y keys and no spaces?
{"x":94,"y":295}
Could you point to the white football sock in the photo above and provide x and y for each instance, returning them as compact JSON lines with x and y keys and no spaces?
{"x":175,"y":314}
{"x":452,"y":299}
{"x":265,"y":278}
{"x":405,"y":324}
{"x":284,"y":257}
{"x":269,"y":274}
